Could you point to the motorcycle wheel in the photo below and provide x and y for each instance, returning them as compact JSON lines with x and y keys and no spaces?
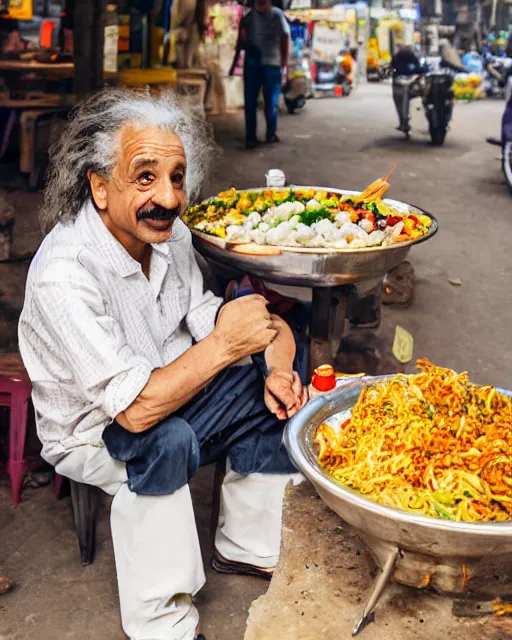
{"x":507,"y":163}
{"x":437,"y":134}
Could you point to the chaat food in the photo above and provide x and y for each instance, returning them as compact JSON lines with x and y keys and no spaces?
{"x":296,"y":217}
{"x":433,"y":444}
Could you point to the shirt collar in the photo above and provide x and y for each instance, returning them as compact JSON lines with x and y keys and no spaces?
{"x":109,"y":248}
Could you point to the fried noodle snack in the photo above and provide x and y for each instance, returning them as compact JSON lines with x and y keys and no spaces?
{"x":433,"y":444}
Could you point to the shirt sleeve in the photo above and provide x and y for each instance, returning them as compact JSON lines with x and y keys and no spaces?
{"x":285,"y":24}
{"x":203,"y":304}
{"x":105,"y":368}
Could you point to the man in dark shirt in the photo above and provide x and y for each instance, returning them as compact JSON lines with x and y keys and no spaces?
{"x":264,"y":34}
{"x":404,"y":63}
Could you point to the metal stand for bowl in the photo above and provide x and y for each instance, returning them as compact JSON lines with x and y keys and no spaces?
{"x":326,"y":272}
{"x":378,"y":589}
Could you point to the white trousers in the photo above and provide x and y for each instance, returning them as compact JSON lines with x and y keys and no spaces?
{"x":158,"y":558}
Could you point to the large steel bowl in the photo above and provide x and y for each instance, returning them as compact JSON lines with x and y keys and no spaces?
{"x":324,"y":268}
{"x":401,"y":529}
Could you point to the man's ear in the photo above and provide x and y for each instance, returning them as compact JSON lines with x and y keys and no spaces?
{"x":98,"y":190}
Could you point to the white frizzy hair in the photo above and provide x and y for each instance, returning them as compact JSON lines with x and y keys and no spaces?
{"x":91,"y":139}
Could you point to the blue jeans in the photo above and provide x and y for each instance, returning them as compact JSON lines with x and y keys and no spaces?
{"x":228,"y":418}
{"x":258,"y":76}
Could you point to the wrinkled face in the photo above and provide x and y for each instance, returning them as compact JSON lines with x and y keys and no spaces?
{"x":146,"y":192}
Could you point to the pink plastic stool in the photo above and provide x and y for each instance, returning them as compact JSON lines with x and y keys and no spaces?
{"x":15,"y":390}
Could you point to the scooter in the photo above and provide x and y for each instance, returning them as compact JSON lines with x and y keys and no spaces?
{"x":378,"y":73}
{"x":434,"y":87}
{"x":438,"y":103}
{"x":496,"y":74}
{"x":506,"y":135}
{"x":298,"y":87}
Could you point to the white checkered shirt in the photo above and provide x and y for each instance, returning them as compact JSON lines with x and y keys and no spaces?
{"x":93,"y":327}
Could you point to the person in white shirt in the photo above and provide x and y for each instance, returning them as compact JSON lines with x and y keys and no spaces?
{"x":131,"y":360}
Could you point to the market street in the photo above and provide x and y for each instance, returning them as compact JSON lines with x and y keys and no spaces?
{"x":343,"y":143}
{"x":348,"y":143}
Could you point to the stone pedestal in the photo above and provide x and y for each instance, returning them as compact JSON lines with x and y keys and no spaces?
{"x":324,"y":577}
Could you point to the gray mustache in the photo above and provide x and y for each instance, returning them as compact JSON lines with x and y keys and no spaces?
{"x":158,"y":213}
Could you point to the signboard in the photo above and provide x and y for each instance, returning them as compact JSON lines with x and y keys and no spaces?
{"x":16,"y":9}
{"x":300,"y":4}
{"x":327,"y":43}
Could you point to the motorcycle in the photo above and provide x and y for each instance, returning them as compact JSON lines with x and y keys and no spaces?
{"x":505,"y":142}
{"x":434,"y":86}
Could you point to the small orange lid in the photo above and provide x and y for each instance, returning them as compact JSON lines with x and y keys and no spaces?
{"x":325,"y":371}
{"x":324,"y":378}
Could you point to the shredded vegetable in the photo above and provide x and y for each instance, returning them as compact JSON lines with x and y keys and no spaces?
{"x":432,"y":443}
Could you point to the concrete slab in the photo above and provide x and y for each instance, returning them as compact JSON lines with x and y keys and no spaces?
{"x":324,"y":576}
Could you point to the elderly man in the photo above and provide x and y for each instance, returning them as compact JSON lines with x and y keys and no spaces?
{"x":130,"y":359}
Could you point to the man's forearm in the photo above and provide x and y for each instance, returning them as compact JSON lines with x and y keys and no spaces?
{"x":280,"y":354}
{"x":170,"y":387}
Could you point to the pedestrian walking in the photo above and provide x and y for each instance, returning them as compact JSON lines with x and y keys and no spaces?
{"x":264,"y":35}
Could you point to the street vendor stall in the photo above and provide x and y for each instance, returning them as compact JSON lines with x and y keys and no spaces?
{"x":219,"y":46}
{"x":324,"y":239}
{"x":34,"y":95}
{"x":336,"y":38}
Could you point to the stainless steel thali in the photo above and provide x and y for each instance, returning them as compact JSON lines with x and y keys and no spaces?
{"x":315,"y":268}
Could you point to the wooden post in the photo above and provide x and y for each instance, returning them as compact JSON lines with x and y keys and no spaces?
{"x":88,"y":40}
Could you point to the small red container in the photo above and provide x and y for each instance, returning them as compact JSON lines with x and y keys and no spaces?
{"x":323,"y":378}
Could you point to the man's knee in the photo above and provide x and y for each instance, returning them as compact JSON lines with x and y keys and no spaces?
{"x":177,"y":446}
{"x":166,"y":460}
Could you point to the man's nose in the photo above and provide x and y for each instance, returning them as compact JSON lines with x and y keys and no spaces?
{"x":167,"y":196}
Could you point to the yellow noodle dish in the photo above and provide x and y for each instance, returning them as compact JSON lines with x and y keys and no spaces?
{"x":432,"y":443}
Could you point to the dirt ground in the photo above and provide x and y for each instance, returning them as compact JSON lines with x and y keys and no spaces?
{"x":333,"y":142}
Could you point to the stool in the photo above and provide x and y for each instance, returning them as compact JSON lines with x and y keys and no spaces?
{"x":85,"y":503}
{"x":15,"y":390}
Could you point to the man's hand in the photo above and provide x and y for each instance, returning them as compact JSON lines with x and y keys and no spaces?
{"x":284,"y":393}
{"x":284,"y":77}
{"x":245,"y":327}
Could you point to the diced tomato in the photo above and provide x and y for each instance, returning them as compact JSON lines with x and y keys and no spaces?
{"x":392,"y":220}
{"x":414,"y":219}
{"x":345,"y":424}
{"x":370,"y":216}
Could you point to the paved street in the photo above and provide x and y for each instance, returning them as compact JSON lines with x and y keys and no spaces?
{"x":333,"y":142}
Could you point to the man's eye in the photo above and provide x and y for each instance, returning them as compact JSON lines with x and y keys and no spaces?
{"x":178,"y":179}
{"x":146,"y":178}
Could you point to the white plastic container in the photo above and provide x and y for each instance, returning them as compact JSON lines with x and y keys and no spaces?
{"x":275,"y":178}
